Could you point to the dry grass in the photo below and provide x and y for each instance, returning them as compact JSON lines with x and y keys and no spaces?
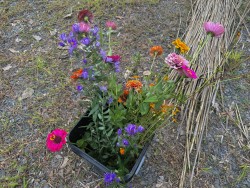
{"x":209,"y":64}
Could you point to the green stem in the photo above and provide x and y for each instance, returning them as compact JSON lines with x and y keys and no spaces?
{"x":197,"y":52}
{"x":109,"y":35}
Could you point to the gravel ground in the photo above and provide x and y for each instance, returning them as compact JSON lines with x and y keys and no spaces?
{"x":37,"y":96}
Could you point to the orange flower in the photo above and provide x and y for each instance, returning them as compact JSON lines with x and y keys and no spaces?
{"x":174,"y":120}
{"x":136,"y":77}
{"x":156,"y":51}
{"x":181,"y":45}
{"x":165,"y":78}
{"x":136,"y":84}
{"x":124,"y":96}
{"x":152,"y":84}
{"x":174,"y":112}
{"x":122,"y":151}
{"x":152,"y":105}
{"x":126,"y":92}
{"x":76,"y":74}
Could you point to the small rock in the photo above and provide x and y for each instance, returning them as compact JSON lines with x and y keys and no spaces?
{"x":27,"y":93}
{"x":7,"y":67}
{"x":18,"y":39}
{"x":13,"y":51}
{"x":38,"y":38}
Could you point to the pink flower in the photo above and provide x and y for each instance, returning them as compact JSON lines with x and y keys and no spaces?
{"x":113,"y":58}
{"x":85,"y":16}
{"x":176,"y":61}
{"x":216,"y":29}
{"x":188,"y":72}
{"x":111,"y":24}
{"x":84,"y":27}
{"x":56,"y":139}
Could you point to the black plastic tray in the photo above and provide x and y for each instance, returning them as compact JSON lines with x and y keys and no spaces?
{"x":77,"y":132}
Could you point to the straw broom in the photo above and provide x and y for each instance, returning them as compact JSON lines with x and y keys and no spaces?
{"x":209,"y":66}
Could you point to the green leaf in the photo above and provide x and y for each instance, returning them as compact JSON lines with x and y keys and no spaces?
{"x":110,"y":132}
{"x":101,"y":128}
{"x":94,"y":109}
{"x":151,"y":99}
{"x":144,"y":108}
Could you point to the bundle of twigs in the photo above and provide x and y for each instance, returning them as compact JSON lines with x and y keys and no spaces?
{"x":209,"y":67}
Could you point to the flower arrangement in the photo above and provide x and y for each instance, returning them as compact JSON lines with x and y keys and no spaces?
{"x":124,"y":114}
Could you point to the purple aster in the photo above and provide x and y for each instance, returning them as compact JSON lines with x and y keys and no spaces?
{"x":119,"y":132}
{"x":85,"y":41}
{"x":75,"y":28}
{"x":85,"y":74}
{"x":110,"y":100}
{"x":140,"y":129}
{"x":103,"y":88}
{"x":125,"y":142}
{"x":131,"y":129}
{"x":79,"y":88}
{"x":63,"y":37}
{"x":110,"y":178}
{"x":117,"y":66}
{"x":71,"y":34}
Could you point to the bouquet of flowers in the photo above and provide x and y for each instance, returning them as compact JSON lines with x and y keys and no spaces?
{"x":124,"y":113}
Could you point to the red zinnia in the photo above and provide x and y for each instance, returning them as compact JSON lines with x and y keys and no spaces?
{"x":136,"y":84}
{"x":85,"y":16}
{"x":76,"y":74}
{"x":56,"y":139}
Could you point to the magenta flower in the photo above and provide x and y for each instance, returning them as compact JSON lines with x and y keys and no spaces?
{"x":216,"y":29}
{"x":188,"y":72}
{"x":176,"y":61}
{"x":113,"y":58}
{"x":84,"y":27}
{"x":56,"y":139}
{"x":85,"y":16}
{"x":110,"y":24}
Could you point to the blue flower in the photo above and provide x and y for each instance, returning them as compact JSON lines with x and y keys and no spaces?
{"x":85,"y":41}
{"x":125,"y":142}
{"x":97,"y":44}
{"x":119,"y":132}
{"x":75,"y":28}
{"x":95,"y":30}
{"x":61,"y":44}
{"x":110,"y":100}
{"x":73,"y":45}
{"x":103,"y":54}
{"x":110,"y":178}
{"x":63,"y":37}
{"x":103,"y":88}
{"x":79,"y":88}
{"x":140,"y":129}
{"x":85,"y":74}
{"x":117,"y":66}
{"x":131,"y":129}
{"x":85,"y":61}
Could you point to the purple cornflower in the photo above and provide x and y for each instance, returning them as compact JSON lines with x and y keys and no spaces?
{"x":125,"y":142}
{"x":110,"y":100}
{"x":110,"y":178}
{"x":103,"y":88}
{"x":119,"y":132}
{"x":79,"y":88}
{"x":85,"y":74}
{"x":117,"y":66}
{"x":73,"y":45}
{"x":131,"y":129}
{"x":140,"y":129}
{"x":75,"y":28}
{"x":85,"y":41}
{"x":63,"y":37}
{"x":95,"y":30}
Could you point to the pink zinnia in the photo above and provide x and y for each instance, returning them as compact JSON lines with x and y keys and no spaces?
{"x":113,"y":58}
{"x":216,"y":29}
{"x":110,"y":24}
{"x":188,"y":72}
{"x":84,"y":27}
{"x":176,"y":61}
{"x":56,"y":139}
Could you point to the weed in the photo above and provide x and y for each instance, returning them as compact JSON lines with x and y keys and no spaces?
{"x":245,"y":169}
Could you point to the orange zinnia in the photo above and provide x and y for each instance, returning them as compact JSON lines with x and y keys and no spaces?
{"x":122,"y":151}
{"x":136,"y":84}
{"x":181,"y":45}
{"x":156,"y":51}
{"x":76,"y":74}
